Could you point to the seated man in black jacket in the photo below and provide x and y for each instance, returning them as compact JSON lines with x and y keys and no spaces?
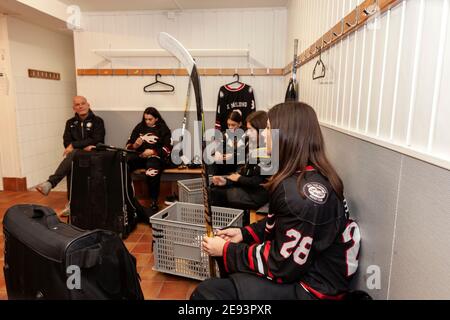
{"x":82,"y":132}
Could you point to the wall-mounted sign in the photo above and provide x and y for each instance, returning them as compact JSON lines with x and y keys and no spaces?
{"x":43,"y":74}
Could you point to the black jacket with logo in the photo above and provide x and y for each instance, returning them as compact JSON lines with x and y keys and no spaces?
{"x":308,"y":241}
{"x":83,"y":133}
{"x":157,"y":138}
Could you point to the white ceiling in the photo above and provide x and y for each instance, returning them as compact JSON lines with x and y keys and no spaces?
{"x":23,"y":12}
{"x":135,"y":5}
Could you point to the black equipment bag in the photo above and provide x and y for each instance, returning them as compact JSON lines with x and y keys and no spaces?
{"x":50,"y":260}
{"x":101,"y":193}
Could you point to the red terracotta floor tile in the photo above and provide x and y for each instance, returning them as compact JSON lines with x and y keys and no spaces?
{"x":151,"y":289}
{"x":3,"y":295}
{"x":141,"y":259}
{"x":2,"y":283}
{"x":173,"y":290}
{"x":134,"y":237}
{"x":130,"y":245}
{"x":146,"y":238}
{"x":141,"y":248}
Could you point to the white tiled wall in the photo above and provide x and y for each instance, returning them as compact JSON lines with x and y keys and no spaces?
{"x":42,"y":110}
{"x":42,"y":106}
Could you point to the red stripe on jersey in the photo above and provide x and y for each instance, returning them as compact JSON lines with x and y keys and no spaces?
{"x":235,"y":89}
{"x":307,"y":168}
{"x":253,"y":234}
{"x":266,"y":257}
{"x":322,"y":296}
{"x":225,"y":249}
{"x":251,"y":262}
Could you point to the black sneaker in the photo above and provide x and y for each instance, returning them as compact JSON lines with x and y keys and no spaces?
{"x":154,"y":207}
{"x":171,"y":199}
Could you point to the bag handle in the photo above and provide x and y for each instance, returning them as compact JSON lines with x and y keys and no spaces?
{"x":40,"y":211}
{"x":49,"y":214}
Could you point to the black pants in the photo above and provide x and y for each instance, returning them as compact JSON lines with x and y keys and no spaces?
{"x":63,"y":170}
{"x":153,"y":167}
{"x":253,"y":288}
{"x":237,"y":197}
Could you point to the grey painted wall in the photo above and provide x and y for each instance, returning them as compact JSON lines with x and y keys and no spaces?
{"x":403,"y":208}
{"x":119,"y":124}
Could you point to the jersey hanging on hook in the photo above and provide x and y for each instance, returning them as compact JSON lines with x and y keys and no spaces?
{"x":235,"y":95}
{"x":156,"y":84}
{"x":292,"y":89}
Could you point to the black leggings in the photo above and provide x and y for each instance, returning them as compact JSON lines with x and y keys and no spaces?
{"x":153,"y":167}
{"x":244,"y":286}
{"x":235,"y":197}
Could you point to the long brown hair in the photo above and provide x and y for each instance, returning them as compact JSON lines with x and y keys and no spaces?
{"x":300,"y":144}
{"x":257,"y":119}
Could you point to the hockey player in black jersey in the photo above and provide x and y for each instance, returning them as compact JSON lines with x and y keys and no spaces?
{"x":307,"y":247}
{"x":151,"y":138}
{"x":232,"y":146}
{"x":243,"y":189}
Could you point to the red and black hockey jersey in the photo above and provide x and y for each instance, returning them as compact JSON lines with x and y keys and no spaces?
{"x":157,"y":138}
{"x":309,"y":241}
{"x":229,"y":99}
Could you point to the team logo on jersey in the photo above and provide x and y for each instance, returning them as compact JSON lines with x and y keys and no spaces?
{"x":316,"y":192}
{"x":150,"y":138}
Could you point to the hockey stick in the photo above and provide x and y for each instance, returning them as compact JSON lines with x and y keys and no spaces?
{"x":172,"y":45}
{"x":186,"y":110}
{"x":291,"y":92}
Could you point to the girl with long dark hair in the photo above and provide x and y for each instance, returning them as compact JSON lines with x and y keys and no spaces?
{"x":243,"y":189}
{"x":227,"y":158}
{"x":307,"y":247}
{"x":151,"y":138}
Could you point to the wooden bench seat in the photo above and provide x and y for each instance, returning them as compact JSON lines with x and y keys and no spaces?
{"x":169,"y":178}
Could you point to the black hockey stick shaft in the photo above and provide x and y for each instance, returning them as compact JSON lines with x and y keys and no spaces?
{"x":205,"y":176}
{"x":179,"y":51}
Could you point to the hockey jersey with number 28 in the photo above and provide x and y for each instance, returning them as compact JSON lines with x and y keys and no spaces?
{"x":310,"y":241}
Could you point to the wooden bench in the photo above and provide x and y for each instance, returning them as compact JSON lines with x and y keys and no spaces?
{"x":169,"y":178}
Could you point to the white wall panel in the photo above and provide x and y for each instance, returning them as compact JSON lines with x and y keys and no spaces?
{"x":390,"y":73}
{"x":262,"y":31}
{"x":383,"y":81}
{"x":441,"y":137}
{"x":426,"y":74}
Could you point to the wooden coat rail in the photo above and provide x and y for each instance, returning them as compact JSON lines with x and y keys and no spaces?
{"x":349,"y":24}
{"x":181,"y":72}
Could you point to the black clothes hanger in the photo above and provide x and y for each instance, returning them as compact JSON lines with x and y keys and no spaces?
{"x":318,"y":74}
{"x":171,"y":87}
{"x":236,"y":75}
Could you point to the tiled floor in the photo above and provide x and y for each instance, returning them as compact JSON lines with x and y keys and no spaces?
{"x":155,"y":285}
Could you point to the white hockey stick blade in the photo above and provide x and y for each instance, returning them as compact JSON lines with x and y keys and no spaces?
{"x":172,"y":45}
